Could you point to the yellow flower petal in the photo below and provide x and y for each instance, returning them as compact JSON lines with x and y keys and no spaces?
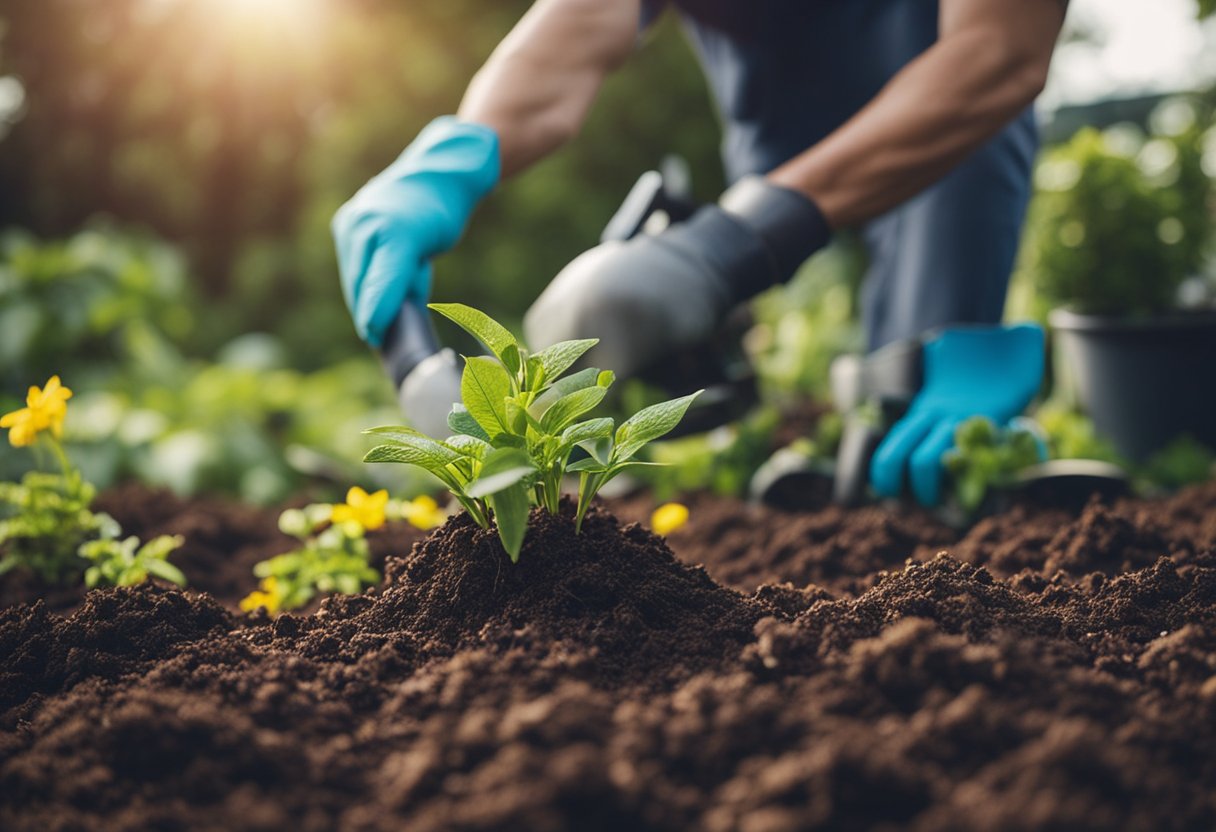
{"x":366,"y":510}
{"x":668,"y":517}
{"x":423,"y":512}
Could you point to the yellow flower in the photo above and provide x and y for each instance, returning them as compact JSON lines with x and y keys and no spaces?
{"x":423,"y":512}
{"x":668,"y":517}
{"x":45,"y":409}
{"x":267,"y":596}
{"x":366,"y":510}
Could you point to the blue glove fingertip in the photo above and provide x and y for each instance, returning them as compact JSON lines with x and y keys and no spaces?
{"x":890,"y":460}
{"x":926,"y":469}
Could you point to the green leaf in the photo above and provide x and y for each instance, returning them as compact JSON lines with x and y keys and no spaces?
{"x":589,"y":465}
{"x":649,"y":424}
{"x":166,"y":570}
{"x":511,"y":358}
{"x":535,"y":373}
{"x":408,"y":455}
{"x":160,"y":547}
{"x":410,"y":447}
{"x":600,"y":449}
{"x":605,"y":378}
{"x":503,"y":468}
{"x":565,"y":410}
{"x":478,"y":324}
{"x":510,"y":507}
{"x":561,"y":356}
{"x":563,"y":387}
{"x":461,"y":421}
{"x":517,"y":417}
{"x":469,"y":446}
{"x":586,"y":431}
{"x":484,"y":387}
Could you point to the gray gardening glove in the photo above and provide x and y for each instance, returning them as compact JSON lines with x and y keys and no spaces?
{"x":652,"y":294}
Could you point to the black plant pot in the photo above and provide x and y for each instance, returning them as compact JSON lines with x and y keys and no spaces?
{"x":1144,"y":381}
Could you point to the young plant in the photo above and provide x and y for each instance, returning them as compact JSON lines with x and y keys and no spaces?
{"x":48,"y":527}
{"x":521,"y":420}
{"x":333,"y":555}
{"x":126,"y":563}
{"x":49,"y":520}
{"x":987,"y":456}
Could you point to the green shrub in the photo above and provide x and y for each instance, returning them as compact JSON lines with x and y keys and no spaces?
{"x":1119,"y":221}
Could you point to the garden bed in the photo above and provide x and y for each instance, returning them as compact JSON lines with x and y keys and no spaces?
{"x":831,"y":669}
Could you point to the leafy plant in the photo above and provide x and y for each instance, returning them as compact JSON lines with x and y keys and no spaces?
{"x":50,"y":529}
{"x":987,"y":456}
{"x":520,"y":422}
{"x":126,"y":563}
{"x":1119,"y":221}
{"x":1071,"y":435}
{"x":49,"y":520}
{"x":333,"y":555}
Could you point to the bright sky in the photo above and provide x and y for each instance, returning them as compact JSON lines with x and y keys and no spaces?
{"x":1143,"y":46}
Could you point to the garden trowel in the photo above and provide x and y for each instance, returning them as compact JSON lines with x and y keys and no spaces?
{"x":719,"y":367}
{"x":426,"y":375}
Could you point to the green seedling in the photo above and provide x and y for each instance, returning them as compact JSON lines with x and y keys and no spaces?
{"x":126,"y":563}
{"x":49,"y":520}
{"x":986,"y":456}
{"x":332,"y":557}
{"x":48,"y":527}
{"x":518,"y":426}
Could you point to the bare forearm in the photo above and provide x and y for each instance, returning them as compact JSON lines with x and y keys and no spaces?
{"x":537,"y":87}
{"x":929,"y":118}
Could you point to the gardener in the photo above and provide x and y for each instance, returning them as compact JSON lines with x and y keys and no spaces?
{"x":909,"y":120}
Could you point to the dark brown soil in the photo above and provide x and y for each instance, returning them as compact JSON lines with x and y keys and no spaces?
{"x":830,"y":670}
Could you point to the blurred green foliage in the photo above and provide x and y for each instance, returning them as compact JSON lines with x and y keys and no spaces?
{"x":986,"y":456}
{"x":1120,"y":219}
{"x":235,"y":128}
{"x":108,"y":313}
{"x":81,"y":302}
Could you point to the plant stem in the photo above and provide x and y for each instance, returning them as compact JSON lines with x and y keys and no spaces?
{"x":587,"y":486}
{"x":474,"y":509}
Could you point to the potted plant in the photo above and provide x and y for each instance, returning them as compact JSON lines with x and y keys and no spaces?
{"x":1119,"y":230}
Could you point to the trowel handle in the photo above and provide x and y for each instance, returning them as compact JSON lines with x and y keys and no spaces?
{"x":666,"y":191}
{"x":857,"y":445}
{"x":410,"y":340}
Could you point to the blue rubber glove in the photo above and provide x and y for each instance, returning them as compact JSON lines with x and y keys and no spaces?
{"x":972,"y":371}
{"x":417,"y":208}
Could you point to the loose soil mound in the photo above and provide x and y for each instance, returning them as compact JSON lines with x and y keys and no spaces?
{"x":1047,"y":671}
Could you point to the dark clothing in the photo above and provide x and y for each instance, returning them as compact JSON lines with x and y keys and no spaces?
{"x":786,"y":73}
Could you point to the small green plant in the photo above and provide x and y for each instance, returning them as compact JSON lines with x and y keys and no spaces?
{"x":987,"y":456}
{"x":519,"y":425}
{"x":333,"y":554}
{"x":49,"y":521}
{"x":48,"y":527}
{"x":126,"y":563}
{"x":1071,"y":435}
